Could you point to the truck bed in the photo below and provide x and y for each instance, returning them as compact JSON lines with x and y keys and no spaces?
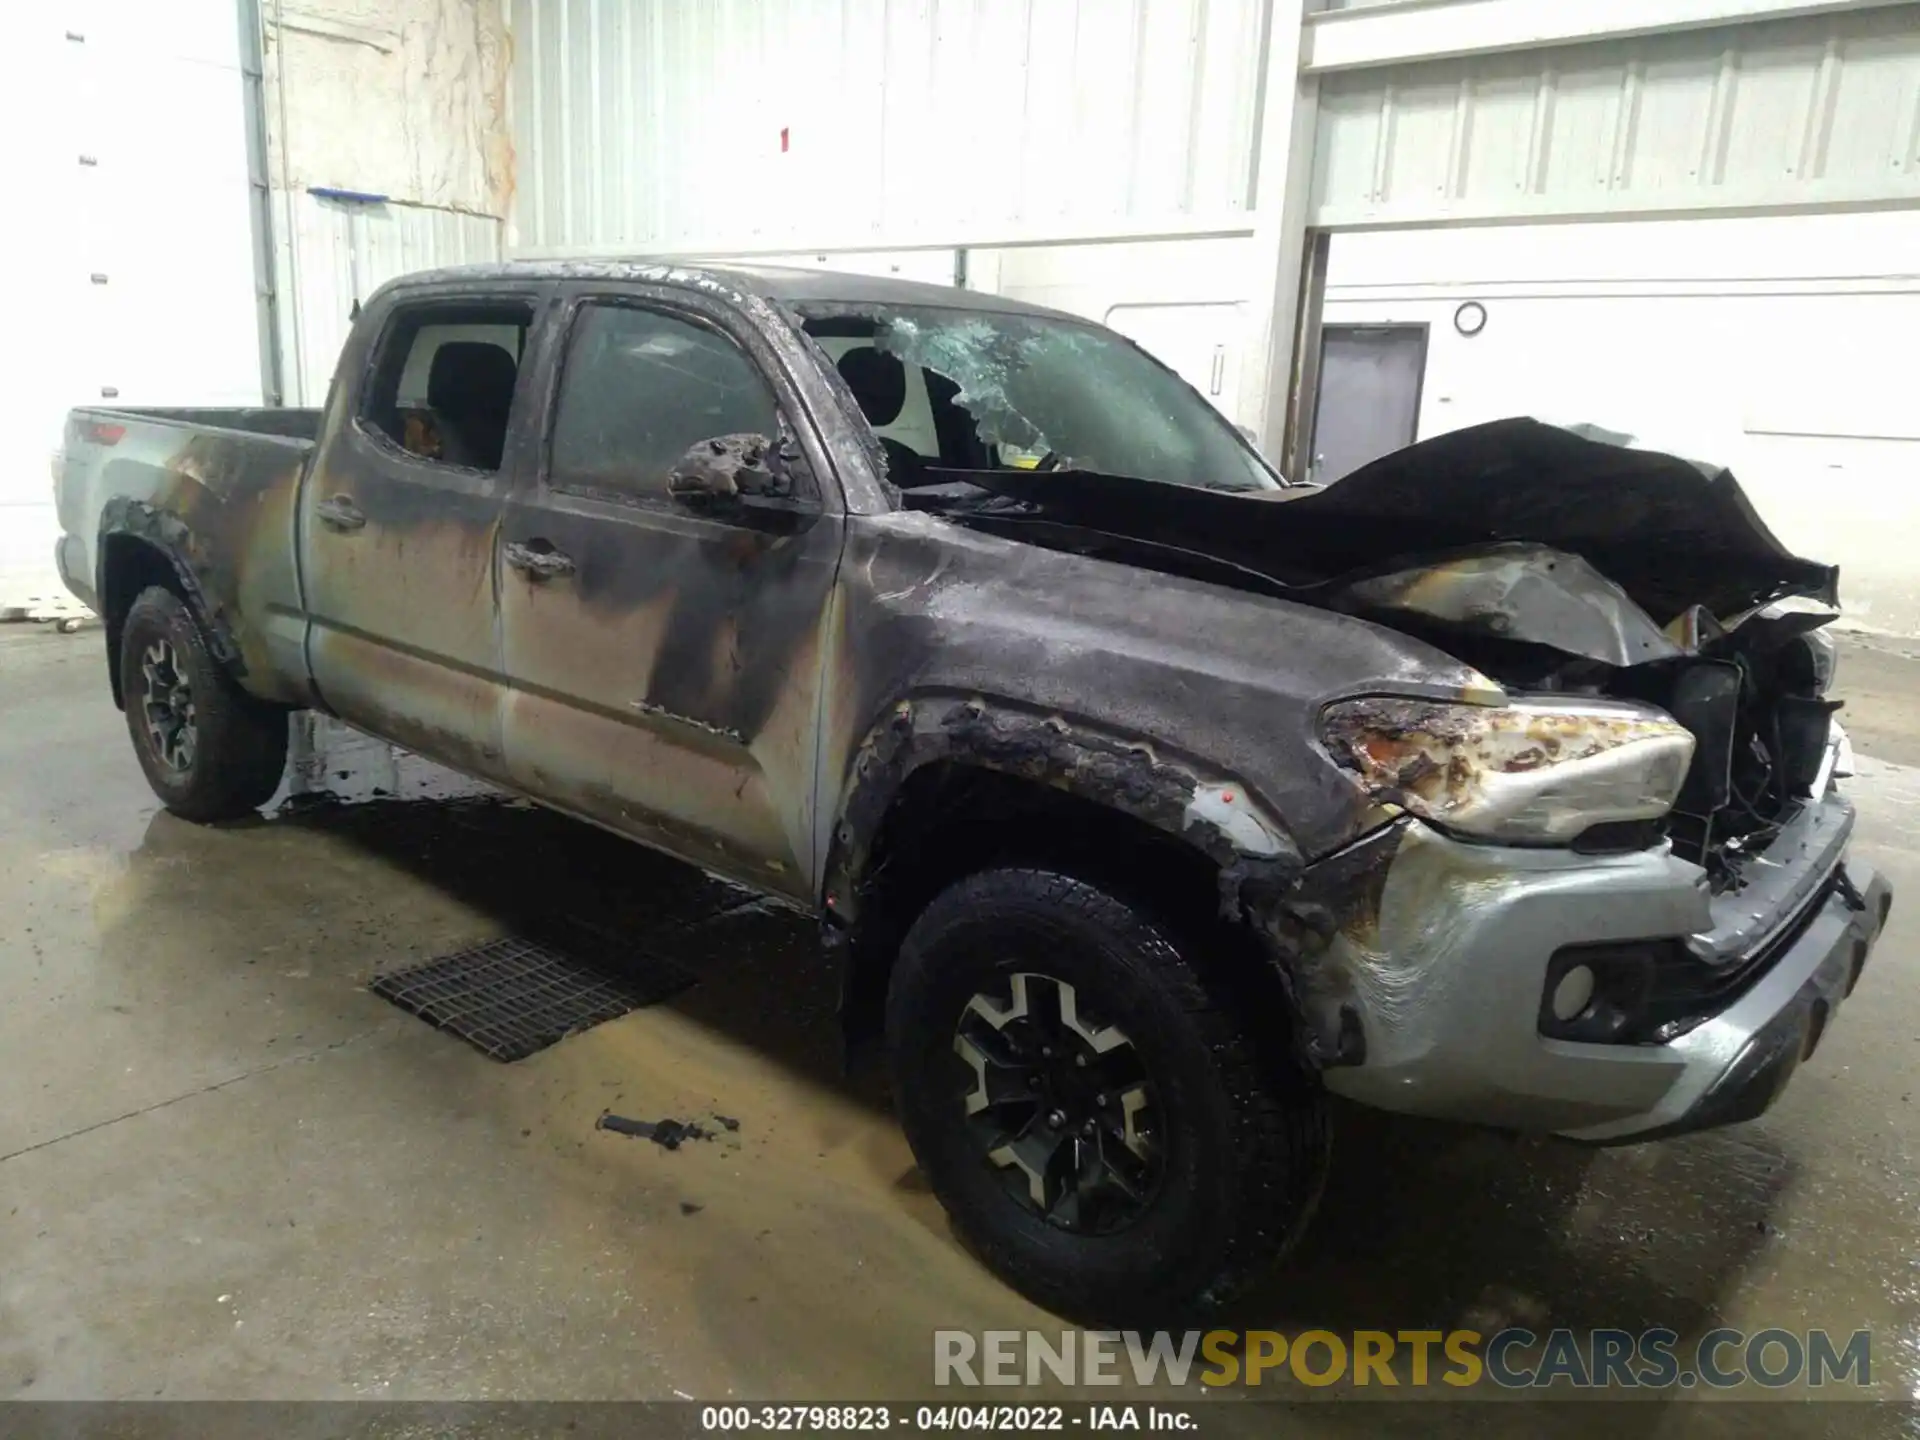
{"x":209,"y":493}
{"x":287,"y":422}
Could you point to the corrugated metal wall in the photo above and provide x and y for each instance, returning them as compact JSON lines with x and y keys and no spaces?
{"x":330,"y":253}
{"x":1787,"y":114}
{"x":717,"y":125}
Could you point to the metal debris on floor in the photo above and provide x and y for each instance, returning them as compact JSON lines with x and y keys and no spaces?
{"x":512,"y":998}
{"x":668,"y":1134}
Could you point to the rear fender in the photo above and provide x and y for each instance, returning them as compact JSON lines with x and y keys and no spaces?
{"x":141,"y":545}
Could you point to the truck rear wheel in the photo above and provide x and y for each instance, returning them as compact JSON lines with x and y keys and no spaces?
{"x":1091,"y":1107}
{"x":209,"y":749}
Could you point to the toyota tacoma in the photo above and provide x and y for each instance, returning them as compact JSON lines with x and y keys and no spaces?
{"x":1148,"y":799}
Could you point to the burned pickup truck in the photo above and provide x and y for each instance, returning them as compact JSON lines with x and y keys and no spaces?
{"x":1147,"y":799}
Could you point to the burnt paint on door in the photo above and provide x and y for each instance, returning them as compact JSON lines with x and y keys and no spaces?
{"x":404,"y":622}
{"x":665,"y":677}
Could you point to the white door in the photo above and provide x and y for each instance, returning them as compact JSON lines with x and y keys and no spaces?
{"x":37,"y":240}
{"x":129,"y":121}
{"x":1199,"y":342}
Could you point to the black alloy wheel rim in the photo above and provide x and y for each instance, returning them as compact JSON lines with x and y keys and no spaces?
{"x":167,"y":702}
{"x":1061,"y":1105}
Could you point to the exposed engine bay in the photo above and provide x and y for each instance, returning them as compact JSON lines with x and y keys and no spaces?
{"x":1553,"y":561}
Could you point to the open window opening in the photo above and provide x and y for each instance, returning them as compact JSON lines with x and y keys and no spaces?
{"x":444,"y":380}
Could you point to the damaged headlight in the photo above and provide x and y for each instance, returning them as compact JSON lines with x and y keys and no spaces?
{"x":1538,"y":772}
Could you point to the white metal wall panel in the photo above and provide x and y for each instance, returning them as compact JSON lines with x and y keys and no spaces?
{"x":34,"y":77}
{"x":930,"y":267}
{"x":330,"y":253}
{"x":1356,"y":34}
{"x":1778,"y":346}
{"x":722,"y":126}
{"x":1787,"y":115}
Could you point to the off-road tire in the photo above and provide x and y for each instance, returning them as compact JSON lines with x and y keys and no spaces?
{"x":239,"y":745}
{"x":1245,"y":1128}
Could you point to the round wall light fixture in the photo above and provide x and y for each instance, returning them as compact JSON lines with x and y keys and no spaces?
{"x":1471,"y":318}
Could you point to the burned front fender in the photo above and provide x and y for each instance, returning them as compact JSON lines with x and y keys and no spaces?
{"x":1094,"y":674}
{"x":1171,"y":791}
{"x":1190,"y":709}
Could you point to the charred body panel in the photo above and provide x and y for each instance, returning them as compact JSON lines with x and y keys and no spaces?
{"x":399,"y":560}
{"x":185,"y":553}
{"x":924,"y":608}
{"x":1669,"y":533}
{"x":667,"y":684}
{"x":1515,"y":592}
{"x":1183,"y":706}
{"x":1548,"y":560}
{"x":207,"y":512}
{"x":660,"y":675}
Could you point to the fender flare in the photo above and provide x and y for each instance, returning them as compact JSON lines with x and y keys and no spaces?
{"x":175,"y":541}
{"x":1203,"y":807}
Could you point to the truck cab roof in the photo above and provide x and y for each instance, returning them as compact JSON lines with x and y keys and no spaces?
{"x":786,"y":284}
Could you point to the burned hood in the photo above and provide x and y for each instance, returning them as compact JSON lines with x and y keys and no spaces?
{"x":1672,"y":534}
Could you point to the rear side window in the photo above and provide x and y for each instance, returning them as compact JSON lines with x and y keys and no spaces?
{"x":638,"y":389}
{"x":443,"y":381}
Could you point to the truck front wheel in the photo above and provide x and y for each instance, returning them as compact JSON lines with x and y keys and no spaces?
{"x":209,"y":749}
{"x":1090,"y":1104}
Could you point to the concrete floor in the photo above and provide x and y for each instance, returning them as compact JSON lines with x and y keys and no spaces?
{"x":227,"y":1170}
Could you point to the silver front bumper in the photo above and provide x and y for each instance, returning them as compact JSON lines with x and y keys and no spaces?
{"x":1448,"y":977}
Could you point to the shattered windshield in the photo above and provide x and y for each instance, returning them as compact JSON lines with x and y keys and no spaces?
{"x":956,"y":390}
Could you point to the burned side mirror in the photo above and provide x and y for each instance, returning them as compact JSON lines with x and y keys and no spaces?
{"x":728,"y":468}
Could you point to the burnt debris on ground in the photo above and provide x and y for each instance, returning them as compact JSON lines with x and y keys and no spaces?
{"x":667,"y":1134}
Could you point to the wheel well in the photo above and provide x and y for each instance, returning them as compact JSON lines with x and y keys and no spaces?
{"x":129,"y":565}
{"x":951,"y":819}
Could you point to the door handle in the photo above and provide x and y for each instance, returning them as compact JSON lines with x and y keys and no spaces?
{"x":340,"y":513}
{"x":538,"y":561}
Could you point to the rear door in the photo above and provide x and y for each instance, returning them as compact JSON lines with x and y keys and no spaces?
{"x":398,"y":522}
{"x":665,"y":658}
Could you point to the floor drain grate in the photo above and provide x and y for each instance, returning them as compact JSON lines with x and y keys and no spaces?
{"x":511,"y":998}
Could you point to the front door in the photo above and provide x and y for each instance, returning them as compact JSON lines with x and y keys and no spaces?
{"x":664,"y":656}
{"x":1369,"y":400}
{"x":397,"y":526}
